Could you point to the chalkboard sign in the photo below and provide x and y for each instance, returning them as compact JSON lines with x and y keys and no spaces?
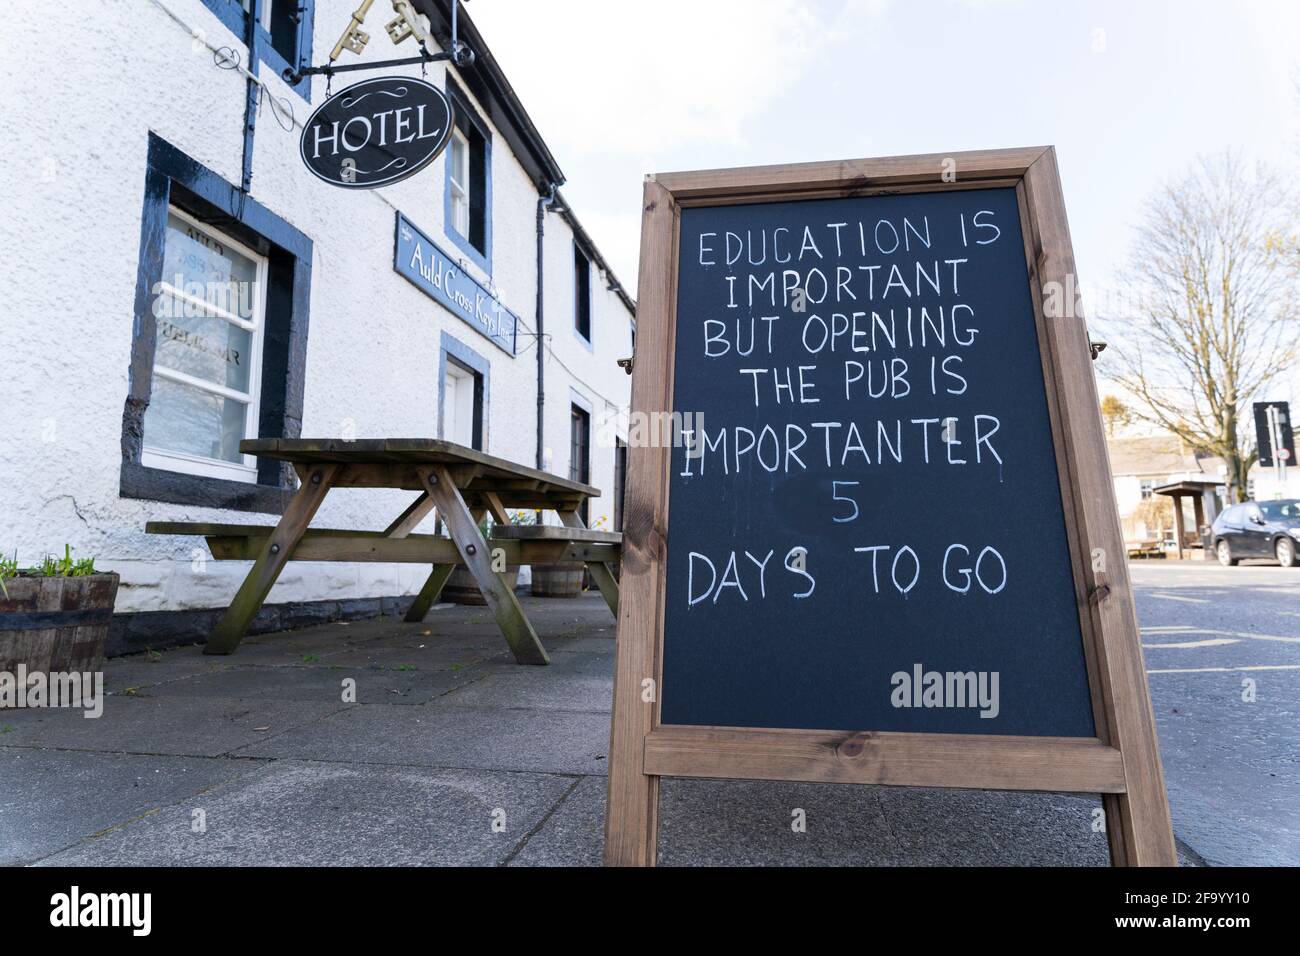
{"x":866,"y":530}
{"x":878,"y":543}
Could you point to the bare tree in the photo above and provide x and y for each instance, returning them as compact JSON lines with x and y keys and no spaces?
{"x":1212,"y":285}
{"x":1114,"y":413}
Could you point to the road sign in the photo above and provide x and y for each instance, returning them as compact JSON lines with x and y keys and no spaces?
{"x":1273,"y":432}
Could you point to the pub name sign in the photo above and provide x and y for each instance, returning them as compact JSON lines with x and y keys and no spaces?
{"x":439,"y":276}
{"x":376,"y":132}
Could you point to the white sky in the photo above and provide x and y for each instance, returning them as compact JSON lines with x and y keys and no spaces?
{"x":1128,"y":92}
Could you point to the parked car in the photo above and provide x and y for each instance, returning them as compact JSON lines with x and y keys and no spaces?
{"x":1258,"y":529}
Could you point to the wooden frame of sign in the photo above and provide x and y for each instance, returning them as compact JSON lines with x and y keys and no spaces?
{"x":1121,"y":763}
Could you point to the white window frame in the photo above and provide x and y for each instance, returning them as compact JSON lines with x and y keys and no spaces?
{"x":246,"y":470}
{"x":460,"y":191}
{"x":265,"y":13}
{"x":465,"y":388}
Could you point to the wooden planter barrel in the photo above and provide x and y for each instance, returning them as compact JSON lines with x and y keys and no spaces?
{"x":52,"y":624}
{"x":461,"y":588}
{"x":558,"y":580}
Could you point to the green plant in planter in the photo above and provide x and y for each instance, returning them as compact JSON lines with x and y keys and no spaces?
{"x":50,"y":567}
{"x":65,"y":567}
{"x":8,"y":569}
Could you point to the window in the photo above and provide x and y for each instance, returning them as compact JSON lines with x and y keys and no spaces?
{"x":581,"y":293}
{"x":1283,"y":509}
{"x":209,"y":313}
{"x":283,"y":32}
{"x":220,"y":345}
{"x":458,"y":182}
{"x":279,"y":18}
{"x":580,"y":450}
{"x":1148,"y":487}
{"x":468,"y":207}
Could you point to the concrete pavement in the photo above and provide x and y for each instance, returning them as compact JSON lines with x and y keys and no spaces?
{"x":452,"y":754}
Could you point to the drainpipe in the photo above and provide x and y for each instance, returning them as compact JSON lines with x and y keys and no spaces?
{"x":543,"y":203}
{"x":251,"y":96}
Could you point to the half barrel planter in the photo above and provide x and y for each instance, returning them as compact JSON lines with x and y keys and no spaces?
{"x":562,"y":580}
{"x":56,"y":624}
{"x":461,"y":588}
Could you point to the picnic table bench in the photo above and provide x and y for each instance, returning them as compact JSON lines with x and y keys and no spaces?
{"x":456,"y":483}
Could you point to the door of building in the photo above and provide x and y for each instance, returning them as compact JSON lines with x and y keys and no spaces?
{"x":462,"y":406}
{"x":580,"y":452}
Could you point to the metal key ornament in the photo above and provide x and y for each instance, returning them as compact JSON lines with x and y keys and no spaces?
{"x":407,"y":24}
{"x":354,"y":39}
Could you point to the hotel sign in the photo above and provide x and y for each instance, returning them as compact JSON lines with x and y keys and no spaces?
{"x":440,"y":277}
{"x":376,"y":132}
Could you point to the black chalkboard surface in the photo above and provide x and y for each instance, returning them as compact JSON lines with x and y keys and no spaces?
{"x":866,"y":529}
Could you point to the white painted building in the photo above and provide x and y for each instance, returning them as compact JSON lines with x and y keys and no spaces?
{"x":1266,"y":484}
{"x":135,"y":164}
{"x":1143,"y":463}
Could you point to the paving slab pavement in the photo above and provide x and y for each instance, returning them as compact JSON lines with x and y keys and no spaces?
{"x":194,"y":726}
{"x":54,"y":799}
{"x":312,"y":814}
{"x":326,"y":683}
{"x":449,"y":735}
{"x":452,"y":754}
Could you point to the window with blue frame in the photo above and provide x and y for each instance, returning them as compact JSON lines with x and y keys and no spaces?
{"x":219,"y":347}
{"x":581,"y":293}
{"x":282,"y":34}
{"x":467,"y":207}
{"x":463,"y":394}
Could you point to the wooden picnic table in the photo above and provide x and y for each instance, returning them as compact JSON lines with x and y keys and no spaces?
{"x":459,"y":484}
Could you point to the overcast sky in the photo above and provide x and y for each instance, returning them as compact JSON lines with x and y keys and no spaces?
{"x":1128,"y":92}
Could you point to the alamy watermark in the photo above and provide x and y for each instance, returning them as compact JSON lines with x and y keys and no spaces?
{"x":41,"y":689}
{"x":950,"y":689}
{"x":189,"y":299}
{"x":652,"y":430}
{"x":130,"y":910}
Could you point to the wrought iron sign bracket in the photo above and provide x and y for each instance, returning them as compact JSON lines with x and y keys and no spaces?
{"x":461,"y":56}
{"x":407,"y":24}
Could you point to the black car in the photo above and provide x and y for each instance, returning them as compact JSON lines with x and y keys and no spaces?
{"x":1258,"y":529}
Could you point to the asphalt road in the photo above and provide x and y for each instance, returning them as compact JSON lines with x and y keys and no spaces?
{"x":1222,"y":649}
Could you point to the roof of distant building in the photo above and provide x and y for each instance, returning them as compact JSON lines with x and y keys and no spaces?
{"x":1154,"y":455}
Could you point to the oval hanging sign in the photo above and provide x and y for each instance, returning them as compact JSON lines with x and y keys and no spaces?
{"x":377,"y":132}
